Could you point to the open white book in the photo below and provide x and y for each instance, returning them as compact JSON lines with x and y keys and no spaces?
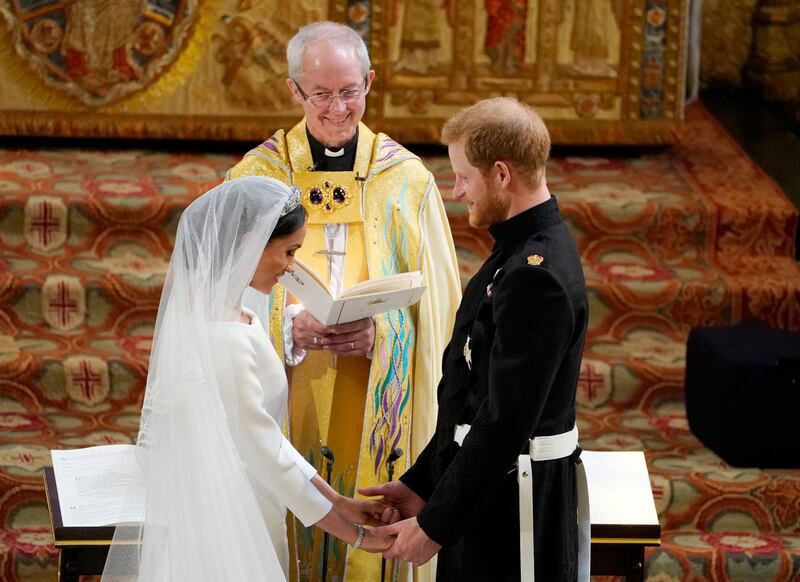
{"x":357,"y":302}
{"x":98,"y":486}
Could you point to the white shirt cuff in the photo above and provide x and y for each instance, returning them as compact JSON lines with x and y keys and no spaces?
{"x":293,"y":355}
{"x":375,"y":327}
{"x":315,"y":505}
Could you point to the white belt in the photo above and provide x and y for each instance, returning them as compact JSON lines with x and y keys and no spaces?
{"x":546,"y":448}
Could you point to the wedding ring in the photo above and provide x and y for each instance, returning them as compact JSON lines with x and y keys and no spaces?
{"x":314,"y":340}
{"x":352,"y":345}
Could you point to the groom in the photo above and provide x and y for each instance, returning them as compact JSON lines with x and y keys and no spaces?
{"x":509,"y":375}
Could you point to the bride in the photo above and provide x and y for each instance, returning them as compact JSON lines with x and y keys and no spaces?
{"x":219,"y":473}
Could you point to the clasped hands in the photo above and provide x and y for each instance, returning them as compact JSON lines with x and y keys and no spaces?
{"x":395,"y":532}
{"x":347,"y":339}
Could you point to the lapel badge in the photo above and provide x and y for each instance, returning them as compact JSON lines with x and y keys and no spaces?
{"x":490,"y":286}
{"x":468,"y":352}
{"x":535,"y":260}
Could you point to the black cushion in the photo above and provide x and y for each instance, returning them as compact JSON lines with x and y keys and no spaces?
{"x":743,"y":393}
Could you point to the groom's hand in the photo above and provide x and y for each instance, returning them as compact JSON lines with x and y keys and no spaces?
{"x":411,"y":543}
{"x":398,"y":495}
{"x":366,"y":511}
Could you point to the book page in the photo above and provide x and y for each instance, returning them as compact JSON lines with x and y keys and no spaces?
{"x":382,"y":284}
{"x":309,"y":289}
{"x":353,"y":308}
{"x":97,"y":486}
{"x":359,"y":301}
{"x":308,"y":275}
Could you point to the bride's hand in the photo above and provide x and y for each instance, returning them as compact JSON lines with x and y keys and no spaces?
{"x":366,"y":511}
{"x":374,"y":543}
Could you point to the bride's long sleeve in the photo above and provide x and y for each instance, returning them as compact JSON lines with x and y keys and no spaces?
{"x":273,"y":464}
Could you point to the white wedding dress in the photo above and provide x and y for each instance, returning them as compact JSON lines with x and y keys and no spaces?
{"x":219,"y":475}
{"x":255,"y":407}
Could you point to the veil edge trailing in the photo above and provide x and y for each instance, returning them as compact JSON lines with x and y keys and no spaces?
{"x":201,"y":518}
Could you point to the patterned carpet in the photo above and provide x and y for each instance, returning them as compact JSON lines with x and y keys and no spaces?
{"x":693,"y":236}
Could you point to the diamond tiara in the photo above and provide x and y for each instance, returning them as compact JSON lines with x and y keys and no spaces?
{"x":293,"y":201}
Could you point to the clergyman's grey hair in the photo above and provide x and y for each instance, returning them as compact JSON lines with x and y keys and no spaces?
{"x":331,"y":33}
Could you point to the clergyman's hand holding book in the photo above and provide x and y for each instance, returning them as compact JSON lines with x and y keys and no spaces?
{"x":362,"y":300}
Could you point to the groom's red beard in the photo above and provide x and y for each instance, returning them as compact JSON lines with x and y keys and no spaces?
{"x":488,"y":209}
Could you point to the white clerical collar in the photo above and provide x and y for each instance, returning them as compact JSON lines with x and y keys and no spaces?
{"x":337,"y":154}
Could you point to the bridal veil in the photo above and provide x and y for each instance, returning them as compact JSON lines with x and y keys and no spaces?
{"x":201,"y":519}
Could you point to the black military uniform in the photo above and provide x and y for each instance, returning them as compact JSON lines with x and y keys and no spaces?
{"x":510,"y":371}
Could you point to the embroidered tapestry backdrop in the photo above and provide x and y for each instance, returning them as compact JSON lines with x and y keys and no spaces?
{"x":599,"y":71}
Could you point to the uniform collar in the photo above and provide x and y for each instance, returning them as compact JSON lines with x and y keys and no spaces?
{"x":517,"y":228}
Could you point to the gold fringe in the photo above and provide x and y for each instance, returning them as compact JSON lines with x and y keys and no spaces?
{"x":248,"y":129}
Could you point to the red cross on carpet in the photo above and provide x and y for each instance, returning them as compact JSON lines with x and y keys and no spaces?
{"x":589,"y":381}
{"x":86,"y":379}
{"x":24,"y":458}
{"x":193,"y":171}
{"x":30,"y":167}
{"x":63,"y":305}
{"x":45,"y":222}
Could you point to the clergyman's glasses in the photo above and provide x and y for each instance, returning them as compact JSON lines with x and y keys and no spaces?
{"x":323,"y":100}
